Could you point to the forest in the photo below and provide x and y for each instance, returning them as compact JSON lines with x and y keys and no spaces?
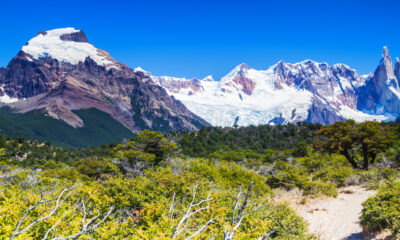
{"x":216,"y":183}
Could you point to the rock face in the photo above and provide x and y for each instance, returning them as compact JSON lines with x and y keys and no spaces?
{"x":75,"y":37}
{"x":60,"y":71}
{"x":382,"y":92}
{"x":178,"y":84}
{"x":288,"y":93}
{"x":240,"y":81}
{"x":397,"y":69}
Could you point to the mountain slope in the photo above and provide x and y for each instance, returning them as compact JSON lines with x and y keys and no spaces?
{"x":61,"y":72}
{"x":99,"y":128}
{"x":283,"y":93}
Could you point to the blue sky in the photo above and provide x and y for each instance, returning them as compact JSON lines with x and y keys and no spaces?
{"x":197,"y":38}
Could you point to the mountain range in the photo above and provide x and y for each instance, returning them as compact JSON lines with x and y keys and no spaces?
{"x":289,"y":93}
{"x":60,"y":81}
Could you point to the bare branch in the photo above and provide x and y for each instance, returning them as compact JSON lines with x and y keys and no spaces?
{"x":189,"y":213}
{"x":236,"y":204}
{"x":200,"y":229}
{"x":52,"y":228}
{"x":246,"y":201}
{"x":237,"y":220}
{"x":86,"y":227}
{"x":266,"y":236}
{"x":58,"y":200}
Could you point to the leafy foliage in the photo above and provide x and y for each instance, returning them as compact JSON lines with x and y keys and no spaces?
{"x":347,"y":137}
{"x":140,"y":179}
{"x":256,"y":138}
{"x":142,"y":203}
{"x":383,"y":210}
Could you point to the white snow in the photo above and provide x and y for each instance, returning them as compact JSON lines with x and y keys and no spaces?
{"x":7,"y":99}
{"x":208,"y":78}
{"x":394,"y":91}
{"x":220,"y":108}
{"x":51,"y":45}
{"x":359,"y":116}
{"x":220,"y":102}
{"x":138,"y":69}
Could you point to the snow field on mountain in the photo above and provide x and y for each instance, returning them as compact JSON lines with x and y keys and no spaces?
{"x":51,"y":45}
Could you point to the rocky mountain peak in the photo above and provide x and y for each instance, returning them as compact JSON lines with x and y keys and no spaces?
{"x":384,"y":74}
{"x":387,"y":63}
{"x":59,"y":71}
{"x":242,"y":67}
{"x":67,"y":45}
{"x":239,"y":80}
{"x":383,"y":88}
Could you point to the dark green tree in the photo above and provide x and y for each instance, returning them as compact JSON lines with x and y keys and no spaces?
{"x":373,"y":139}
{"x":347,"y":138}
{"x":339,"y":137}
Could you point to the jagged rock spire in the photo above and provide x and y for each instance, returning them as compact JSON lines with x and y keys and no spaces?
{"x":384,"y":74}
{"x":384,"y":86}
{"x":387,"y":63}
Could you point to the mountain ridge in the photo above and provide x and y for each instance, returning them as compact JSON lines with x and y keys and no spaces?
{"x":323,"y":94}
{"x":60,"y":71}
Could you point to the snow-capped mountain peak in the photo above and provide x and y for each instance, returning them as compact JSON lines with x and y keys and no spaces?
{"x":238,"y":70}
{"x":208,"y":78}
{"x":67,"y":45}
{"x":59,"y":71}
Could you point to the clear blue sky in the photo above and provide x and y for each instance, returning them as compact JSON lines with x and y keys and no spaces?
{"x":196,"y":38}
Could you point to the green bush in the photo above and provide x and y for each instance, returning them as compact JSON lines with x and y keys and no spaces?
{"x":383,"y":210}
{"x":288,"y":179}
{"x":97,"y":168}
{"x":301,"y":150}
{"x":337,"y":176}
{"x":236,"y":156}
{"x":70,"y":174}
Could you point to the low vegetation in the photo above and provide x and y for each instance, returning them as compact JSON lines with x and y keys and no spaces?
{"x":155,"y":186}
{"x":383,"y":210}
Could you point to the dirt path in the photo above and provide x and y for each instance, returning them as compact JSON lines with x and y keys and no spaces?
{"x":335,"y":218}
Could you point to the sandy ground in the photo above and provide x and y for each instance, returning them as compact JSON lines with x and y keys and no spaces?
{"x":334,"y":218}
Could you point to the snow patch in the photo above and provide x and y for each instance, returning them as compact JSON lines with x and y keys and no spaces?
{"x":359,"y":116}
{"x":7,"y":99}
{"x":138,"y":69}
{"x":394,"y":91}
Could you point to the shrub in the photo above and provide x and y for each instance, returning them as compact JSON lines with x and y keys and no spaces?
{"x":336,"y":175}
{"x":383,"y":210}
{"x":236,"y":156}
{"x":97,"y":168}
{"x":301,"y":150}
